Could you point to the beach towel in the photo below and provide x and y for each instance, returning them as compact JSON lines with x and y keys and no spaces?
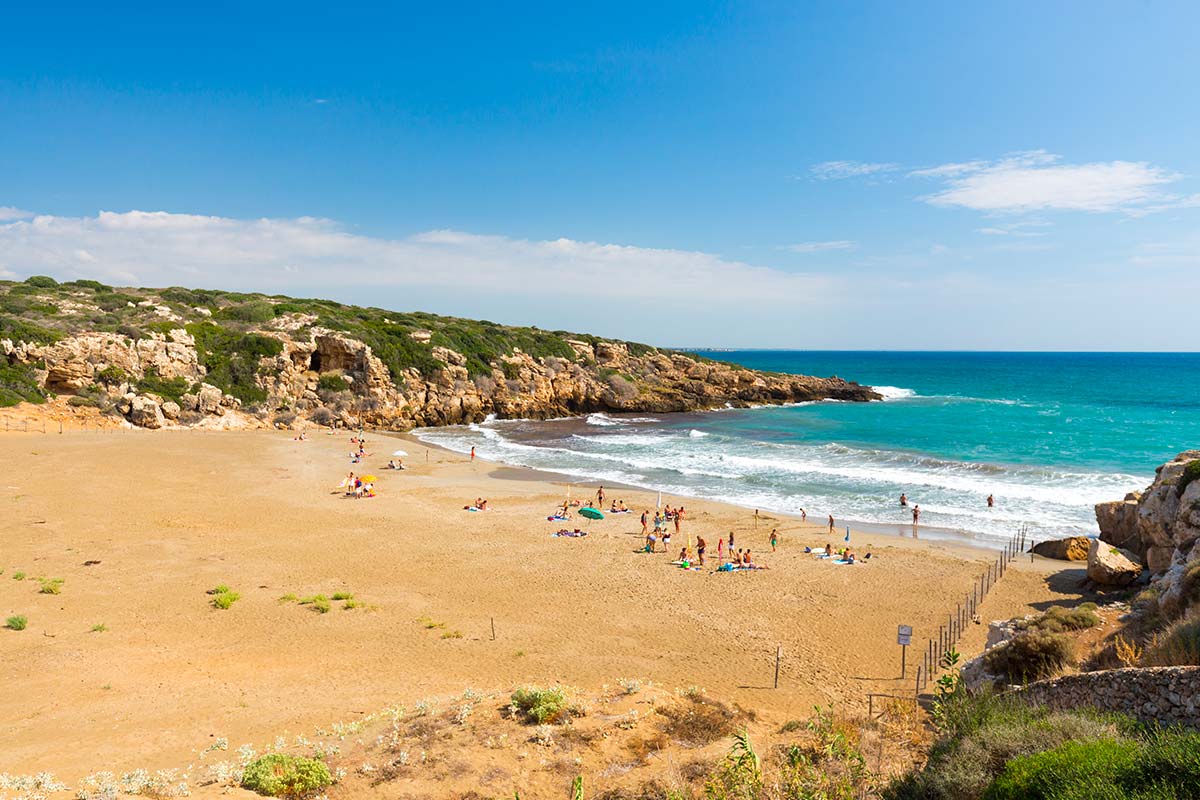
{"x":557,"y":519}
{"x":570,"y":534}
{"x":842,"y":561}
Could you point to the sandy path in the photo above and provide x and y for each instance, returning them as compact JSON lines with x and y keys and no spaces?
{"x":170,"y":514}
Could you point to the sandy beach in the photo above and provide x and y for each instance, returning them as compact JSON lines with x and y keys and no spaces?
{"x":140,"y":525}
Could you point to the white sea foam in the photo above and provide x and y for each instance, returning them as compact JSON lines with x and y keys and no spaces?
{"x":601,"y":419}
{"x":894,"y":392}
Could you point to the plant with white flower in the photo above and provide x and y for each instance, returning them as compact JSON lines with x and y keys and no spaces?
{"x":630,"y":685}
{"x":246,"y":753}
{"x":544,"y":735}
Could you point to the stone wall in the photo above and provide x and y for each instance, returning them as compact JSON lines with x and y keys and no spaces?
{"x":1159,"y":694}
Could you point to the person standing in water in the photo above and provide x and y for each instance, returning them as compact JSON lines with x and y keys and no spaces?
{"x":831,"y":523}
{"x":472,"y":452}
{"x":991,"y":501}
{"x":916,"y":514}
{"x":903,"y":500}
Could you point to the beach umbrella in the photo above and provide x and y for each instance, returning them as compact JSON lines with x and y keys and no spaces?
{"x":399,"y":453}
{"x":368,"y":478}
{"x":590,"y":513}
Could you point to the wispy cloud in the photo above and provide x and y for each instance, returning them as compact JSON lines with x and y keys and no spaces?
{"x":839,"y":170}
{"x":8,"y":214}
{"x":162,"y":249}
{"x":1036,"y":181}
{"x":1024,"y":228}
{"x":819,"y":247}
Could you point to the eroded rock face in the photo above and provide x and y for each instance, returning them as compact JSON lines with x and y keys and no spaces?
{"x":607,"y":377}
{"x":1072,"y":548}
{"x":145,"y":413}
{"x":1108,"y":566}
{"x":1160,"y":524}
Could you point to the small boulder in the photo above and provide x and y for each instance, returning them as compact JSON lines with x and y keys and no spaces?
{"x":171,"y":410}
{"x":145,"y":413}
{"x":1108,"y":566}
{"x":208,"y":399}
{"x":1072,"y":548}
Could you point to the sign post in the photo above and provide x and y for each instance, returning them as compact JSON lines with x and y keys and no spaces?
{"x":904,"y":639}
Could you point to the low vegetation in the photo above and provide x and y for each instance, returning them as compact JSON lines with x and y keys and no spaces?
{"x":50,"y":585}
{"x":993,"y":747}
{"x":16,"y":623}
{"x":232,"y":334}
{"x":223,"y":597}
{"x":283,"y":775}
{"x":1058,"y":619}
{"x":541,"y":706}
{"x":1031,"y":656}
{"x":317,"y":602}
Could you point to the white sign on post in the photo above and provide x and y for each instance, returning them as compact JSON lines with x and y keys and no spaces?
{"x":904,"y":635}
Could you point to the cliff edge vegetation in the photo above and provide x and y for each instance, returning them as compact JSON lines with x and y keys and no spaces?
{"x":187,"y":356}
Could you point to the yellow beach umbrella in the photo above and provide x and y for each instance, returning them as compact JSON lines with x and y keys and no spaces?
{"x":367,"y":478}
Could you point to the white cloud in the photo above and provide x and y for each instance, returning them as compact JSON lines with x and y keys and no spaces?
{"x":8,"y":214}
{"x":838,"y":170}
{"x":1036,"y":181}
{"x":819,"y":247}
{"x":161,"y":249}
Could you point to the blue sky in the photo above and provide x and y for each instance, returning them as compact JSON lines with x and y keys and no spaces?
{"x":785,"y":175}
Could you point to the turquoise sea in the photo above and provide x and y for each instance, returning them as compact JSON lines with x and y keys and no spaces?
{"x":1049,"y":434}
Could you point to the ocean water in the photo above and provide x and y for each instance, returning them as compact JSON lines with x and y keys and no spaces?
{"x":1048,"y":434}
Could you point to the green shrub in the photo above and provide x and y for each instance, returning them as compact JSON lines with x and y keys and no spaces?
{"x":255,"y":312}
{"x":232,"y":358}
{"x":83,"y":401}
{"x":16,"y":623}
{"x":21,"y":331}
{"x":41,"y":281}
{"x":223,"y":597}
{"x":541,"y":705}
{"x":1190,"y":473}
{"x":1058,"y":619}
{"x":332,"y":382}
{"x":18,"y":576}
{"x":112,"y":375}
{"x":1030,"y":656}
{"x":170,"y":388}
{"x":343,"y":596}
{"x":19,"y":384}
{"x":84,"y":283}
{"x":1165,"y":765}
{"x":981,"y":733}
{"x":282,"y":775}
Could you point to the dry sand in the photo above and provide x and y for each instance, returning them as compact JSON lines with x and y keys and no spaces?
{"x":168,"y":515}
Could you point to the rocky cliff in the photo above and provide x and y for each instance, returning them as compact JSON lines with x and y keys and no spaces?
{"x":1162,"y":526}
{"x":182,"y":356}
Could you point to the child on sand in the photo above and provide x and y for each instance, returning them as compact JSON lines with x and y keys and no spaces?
{"x":774,"y":538}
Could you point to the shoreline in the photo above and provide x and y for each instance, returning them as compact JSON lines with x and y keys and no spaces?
{"x":956,"y":537}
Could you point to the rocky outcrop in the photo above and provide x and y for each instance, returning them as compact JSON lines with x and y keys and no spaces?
{"x":326,"y":375}
{"x":1161,"y":528}
{"x":1108,"y":566}
{"x":1072,"y":548}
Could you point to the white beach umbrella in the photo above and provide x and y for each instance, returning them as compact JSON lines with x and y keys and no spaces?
{"x":399,"y":453}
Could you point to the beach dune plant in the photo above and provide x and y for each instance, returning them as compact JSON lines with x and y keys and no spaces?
{"x":541,"y":706}
{"x":50,"y":585}
{"x":223,"y":597}
{"x":16,"y":623}
{"x":283,"y":775}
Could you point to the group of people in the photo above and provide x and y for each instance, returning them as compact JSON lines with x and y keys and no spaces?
{"x":916,"y":508}
{"x":395,"y":463}
{"x":356,"y":487}
{"x":481,"y":504}
{"x":360,"y":451}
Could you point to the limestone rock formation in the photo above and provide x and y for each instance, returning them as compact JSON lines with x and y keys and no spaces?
{"x":1162,"y":524}
{"x":1108,"y":566}
{"x":1072,"y":548}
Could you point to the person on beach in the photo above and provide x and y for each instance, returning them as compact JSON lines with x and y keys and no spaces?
{"x":600,"y":497}
{"x":991,"y":501}
{"x":828,"y":550}
{"x":472,"y":452}
{"x":666,"y":540}
{"x":731,"y":543}
{"x":736,"y":558}
{"x":645,"y":520}
{"x":678,"y":519}
{"x":700,"y":547}
{"x":803,"y":516}
{"x":831,"y":523}
{"x":916,"y":514}
{"x":651,"y":541}
{"x":682,"y":554}
{"x":746,"y":561}
{"x":903,"y":500}
{"x":720,"y":551}
{"x":774,"y":538}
